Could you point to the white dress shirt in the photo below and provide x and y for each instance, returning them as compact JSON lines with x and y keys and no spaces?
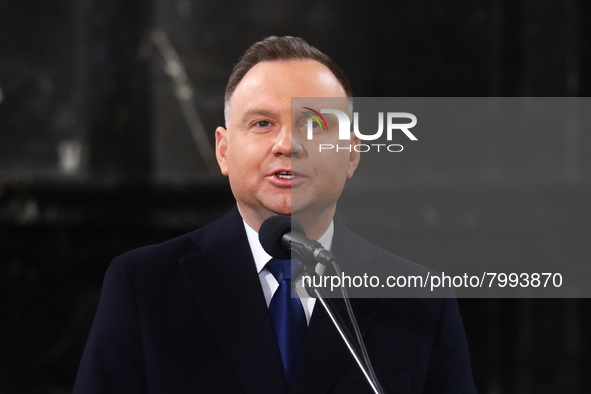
{"x":268,"y":281}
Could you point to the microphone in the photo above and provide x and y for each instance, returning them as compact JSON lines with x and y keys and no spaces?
{"x":281,"y":235}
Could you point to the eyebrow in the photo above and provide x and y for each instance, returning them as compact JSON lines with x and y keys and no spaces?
{"x":258,"y":112}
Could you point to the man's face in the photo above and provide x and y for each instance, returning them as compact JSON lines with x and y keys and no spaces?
{"x":258,"y":150}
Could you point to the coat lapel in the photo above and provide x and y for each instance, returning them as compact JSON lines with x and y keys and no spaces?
{"x":225,"y":283}
{"x":325,"y":355}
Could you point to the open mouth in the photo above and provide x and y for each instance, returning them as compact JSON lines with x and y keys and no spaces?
{"x":285,"y":174}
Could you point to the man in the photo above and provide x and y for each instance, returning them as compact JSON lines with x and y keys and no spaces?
{"x":191,"y":315}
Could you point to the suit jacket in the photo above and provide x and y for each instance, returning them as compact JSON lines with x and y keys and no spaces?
{"x":189,"y":316}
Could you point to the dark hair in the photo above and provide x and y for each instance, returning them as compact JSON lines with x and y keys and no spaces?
{"x":273,"y":49}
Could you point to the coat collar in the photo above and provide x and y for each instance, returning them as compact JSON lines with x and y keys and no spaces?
{"x":225,"y":283}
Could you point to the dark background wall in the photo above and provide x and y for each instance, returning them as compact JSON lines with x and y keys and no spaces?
{"x":107,"y":113}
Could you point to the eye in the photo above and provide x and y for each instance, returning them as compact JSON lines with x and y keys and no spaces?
{"x":305,"y":123}
{"x":262,"y":124}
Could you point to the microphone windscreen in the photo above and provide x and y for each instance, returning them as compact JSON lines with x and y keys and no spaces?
{"x":271,"y":234}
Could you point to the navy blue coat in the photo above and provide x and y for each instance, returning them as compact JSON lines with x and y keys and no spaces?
{"x":189,"y":316}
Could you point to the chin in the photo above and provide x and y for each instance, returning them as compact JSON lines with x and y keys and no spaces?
{"x":286,"y":212}
{"x":281,"y":210}
{"x":280,"y":206}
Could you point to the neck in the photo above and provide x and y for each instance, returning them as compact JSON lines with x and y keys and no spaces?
{"x":315,"y":223}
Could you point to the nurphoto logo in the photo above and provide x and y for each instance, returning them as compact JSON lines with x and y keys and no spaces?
{"x":391,"y":119}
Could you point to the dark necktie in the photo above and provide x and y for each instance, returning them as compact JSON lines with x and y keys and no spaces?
{"x":287,"y":314}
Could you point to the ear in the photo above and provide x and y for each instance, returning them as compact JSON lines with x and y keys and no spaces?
{"x":221,"y":149}
{"x":354,"y":156}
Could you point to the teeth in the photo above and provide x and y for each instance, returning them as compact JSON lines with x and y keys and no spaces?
{"x":285,"y":175}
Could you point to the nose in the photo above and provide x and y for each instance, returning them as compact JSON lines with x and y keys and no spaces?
{"x":287,"y":144}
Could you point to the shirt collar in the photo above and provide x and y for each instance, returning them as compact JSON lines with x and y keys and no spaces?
{"x":261,"y":258}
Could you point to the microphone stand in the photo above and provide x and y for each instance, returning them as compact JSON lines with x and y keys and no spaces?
{"x":337,"y":321}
